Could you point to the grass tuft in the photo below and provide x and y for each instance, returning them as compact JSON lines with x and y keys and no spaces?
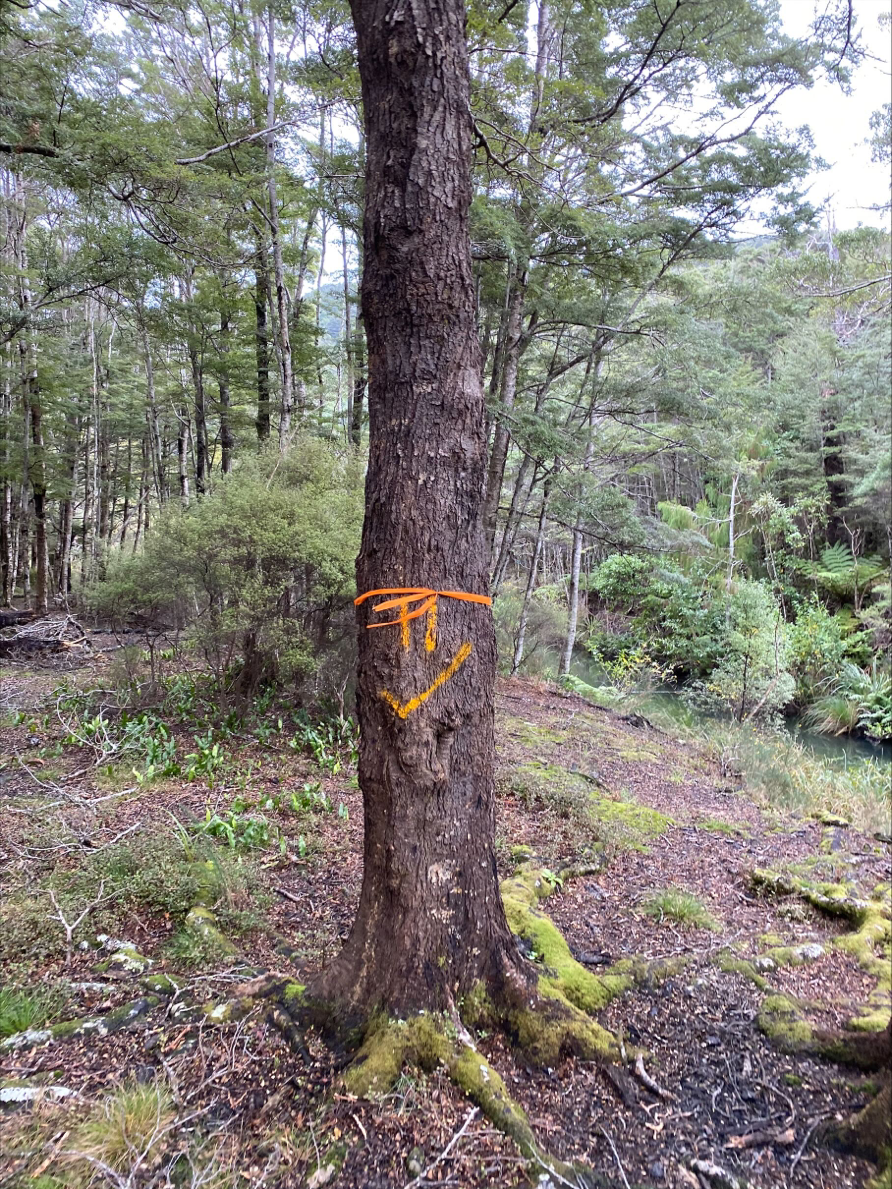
{"x":126,"y":1125}
{"x":22,"y":1008}
{"x":675,"y":904}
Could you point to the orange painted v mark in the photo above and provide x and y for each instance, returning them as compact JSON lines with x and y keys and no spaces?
{"x":404,"y":709}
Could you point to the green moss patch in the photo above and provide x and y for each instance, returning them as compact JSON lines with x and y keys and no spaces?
{"x":779,"y":1019}
{"x":728,"y":963}
{"x":563,"y":976}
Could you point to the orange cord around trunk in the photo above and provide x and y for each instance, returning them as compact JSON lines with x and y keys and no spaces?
{"x":427,"y":600}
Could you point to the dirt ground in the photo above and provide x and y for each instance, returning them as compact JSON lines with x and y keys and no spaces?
{"x":642,"y":812}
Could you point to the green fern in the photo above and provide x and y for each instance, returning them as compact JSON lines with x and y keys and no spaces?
{"x":837,"y":559}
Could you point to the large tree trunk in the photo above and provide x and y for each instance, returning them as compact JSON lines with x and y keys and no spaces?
{"x":430,"y":920}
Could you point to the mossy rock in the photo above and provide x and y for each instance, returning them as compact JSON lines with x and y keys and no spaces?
{"x":202,"y":921}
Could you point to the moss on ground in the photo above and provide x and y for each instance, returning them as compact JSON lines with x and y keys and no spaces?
{"x":717,"y":825}
{"x":870,"y":938}
{"x":781,"y":1022}
{"x":628,"y":823}
{"x":729,"y":964}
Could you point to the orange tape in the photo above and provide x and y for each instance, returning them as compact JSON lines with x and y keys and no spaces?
{"x":426,"y":597}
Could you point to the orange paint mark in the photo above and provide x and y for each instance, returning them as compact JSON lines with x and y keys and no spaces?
{"x":404,"y":625}
{"x":404,"y":709}
{"x":430,"y":637}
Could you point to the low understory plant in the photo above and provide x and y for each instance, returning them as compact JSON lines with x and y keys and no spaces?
{"x":24,"y":1007}
{"x":785,"y":774}
{"x":164,"y":873}
{"x":683,"y":907}
{"x":857,"y":699}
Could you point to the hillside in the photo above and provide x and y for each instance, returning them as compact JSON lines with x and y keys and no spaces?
{"x":709,"y":919}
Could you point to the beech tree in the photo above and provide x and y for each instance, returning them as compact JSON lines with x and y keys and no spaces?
{"x":431,"y":921}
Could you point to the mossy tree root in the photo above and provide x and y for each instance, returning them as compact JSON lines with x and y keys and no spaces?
{"x":547,"y":1015}
{"x":869,"y":939}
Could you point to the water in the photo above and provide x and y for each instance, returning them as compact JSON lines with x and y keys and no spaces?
{"x":668,"y":703}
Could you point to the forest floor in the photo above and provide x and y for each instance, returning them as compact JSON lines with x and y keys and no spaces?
{"x":671,"y":838}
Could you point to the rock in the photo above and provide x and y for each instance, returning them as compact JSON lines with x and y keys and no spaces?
{"x":657,"y":1171}
{"x":833,"y":819}
{"x":30,"y":1093}
{"x":27,"y":1039}
{"x":764,"y":963}
{"x":810,"y":952}
{"x":128,"y":960}
{"x":321,"y":1176}
{"x":415,"y":1162}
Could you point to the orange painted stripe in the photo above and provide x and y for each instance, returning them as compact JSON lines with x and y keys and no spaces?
{"x":404,"y":709}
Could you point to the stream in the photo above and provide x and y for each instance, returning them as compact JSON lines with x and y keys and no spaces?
{"x":671,"y":703}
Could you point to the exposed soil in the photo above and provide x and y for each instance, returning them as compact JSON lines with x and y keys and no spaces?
{"x":275,"y":1118}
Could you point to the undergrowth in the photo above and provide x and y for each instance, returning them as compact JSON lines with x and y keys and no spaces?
{"x":676,"y":904}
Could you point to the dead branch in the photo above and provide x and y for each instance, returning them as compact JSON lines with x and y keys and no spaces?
{"x":646,"y":1080}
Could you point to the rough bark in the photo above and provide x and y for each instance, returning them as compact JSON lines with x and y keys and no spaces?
{"x":430,"y":921}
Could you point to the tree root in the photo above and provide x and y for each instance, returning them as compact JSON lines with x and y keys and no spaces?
{"x":114,"y":1021}
{"x":869,"y":939}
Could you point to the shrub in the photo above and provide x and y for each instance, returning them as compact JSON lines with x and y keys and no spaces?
{"x":751,"y":676}
{"x":857,"y":699}
{"x":258,"y":574}
{"x":622,"y":580}
{"x":816,"y":649}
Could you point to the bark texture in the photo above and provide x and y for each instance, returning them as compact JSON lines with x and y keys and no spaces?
{"x":430,"y":921}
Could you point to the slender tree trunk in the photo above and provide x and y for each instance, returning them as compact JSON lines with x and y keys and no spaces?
{"x":730,"y":579}
{"x":348,"y":337}
{"x":520,"y":499}
{"x":520,"y":643}
{"x":183,"y":454}
{"x":196,"y":364}
{"x":7,"y":564}
{"x":31,"y":387}
{"x":261,"y":340}
{"x":507,"y":393}
{"x":359,"y":386}
{"x":284,"y":336}
{"x":227,"y":441}
{"x":576,"y":558}
{"x":125,"y":511}
{"x":430,"y":921}
{"x":154,"y":434}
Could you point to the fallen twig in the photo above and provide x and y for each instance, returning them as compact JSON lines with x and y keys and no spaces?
{"x":801,"y":1149}
{"x":646,"y":1080}
{"x":469,"y":1119}
{"x":619,"y":1163}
